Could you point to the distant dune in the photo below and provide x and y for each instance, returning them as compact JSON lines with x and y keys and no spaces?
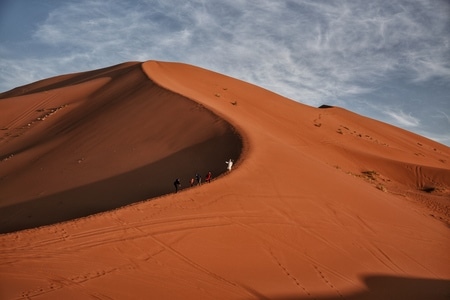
{"x":321,"y":203}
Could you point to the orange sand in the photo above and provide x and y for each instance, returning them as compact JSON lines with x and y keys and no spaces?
{"x":322,"y":203}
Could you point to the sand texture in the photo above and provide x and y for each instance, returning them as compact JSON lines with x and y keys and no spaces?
{"x":321,"y":203}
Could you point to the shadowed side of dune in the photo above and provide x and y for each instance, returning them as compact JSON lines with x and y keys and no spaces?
{"x":150,"y":181}
{"x":134,"y":138}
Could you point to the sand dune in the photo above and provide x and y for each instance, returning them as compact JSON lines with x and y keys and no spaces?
{"x":322,"y":203}
{"x":109,"y":139}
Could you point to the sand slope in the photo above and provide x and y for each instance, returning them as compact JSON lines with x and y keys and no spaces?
{"x":323,"y":203}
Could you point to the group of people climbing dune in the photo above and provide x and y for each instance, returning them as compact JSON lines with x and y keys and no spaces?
{"x":197,"y":179}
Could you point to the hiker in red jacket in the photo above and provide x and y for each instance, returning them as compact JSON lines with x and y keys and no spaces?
{"x":208,"y":177}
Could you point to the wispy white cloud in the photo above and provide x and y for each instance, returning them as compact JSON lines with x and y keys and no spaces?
{"x":444,"y":116}
{"x":403,"y":119}
{"x":312,"y":51}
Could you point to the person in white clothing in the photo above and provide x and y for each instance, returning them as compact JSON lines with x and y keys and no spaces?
{"x":230,"y":164}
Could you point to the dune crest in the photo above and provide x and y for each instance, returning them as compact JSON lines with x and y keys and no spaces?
{"x":324,"y":203}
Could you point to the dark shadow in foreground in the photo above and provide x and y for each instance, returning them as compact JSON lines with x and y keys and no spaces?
{"x":386,"y":287}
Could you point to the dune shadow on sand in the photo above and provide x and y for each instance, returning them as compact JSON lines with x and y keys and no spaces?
{"x":153,"y":180}
{"x":388,"y":287}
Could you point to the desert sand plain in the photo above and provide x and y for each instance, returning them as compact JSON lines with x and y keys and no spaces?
{"x":321,"y":203}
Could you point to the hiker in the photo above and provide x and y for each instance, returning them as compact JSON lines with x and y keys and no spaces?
{"x":192,"y":182}
{"x":177,"y":184}
{"x":198,"y":178}
{"x":230,"y":164}
{"x":208,"y":177}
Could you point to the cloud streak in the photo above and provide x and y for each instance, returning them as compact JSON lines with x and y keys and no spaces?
{"x":312,"y":51}
{"x":403,"y":119}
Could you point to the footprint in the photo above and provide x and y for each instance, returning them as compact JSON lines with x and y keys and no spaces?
{"x":327,"y":281}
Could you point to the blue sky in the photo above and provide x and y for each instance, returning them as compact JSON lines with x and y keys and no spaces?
{"x":388,"y":60}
